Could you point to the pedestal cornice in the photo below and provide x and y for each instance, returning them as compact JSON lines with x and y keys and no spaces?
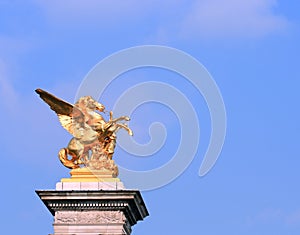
{"x":130,"y":202}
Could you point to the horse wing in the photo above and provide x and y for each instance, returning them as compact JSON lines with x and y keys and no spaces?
{"x":70,"y":117}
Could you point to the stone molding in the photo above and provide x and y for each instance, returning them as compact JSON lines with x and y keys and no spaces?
{"x":87,"y":205}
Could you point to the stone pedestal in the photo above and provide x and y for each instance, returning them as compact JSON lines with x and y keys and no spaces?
{"x":93,"y":208}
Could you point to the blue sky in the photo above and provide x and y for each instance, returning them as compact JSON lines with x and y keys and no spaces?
{"x":251,"y":49}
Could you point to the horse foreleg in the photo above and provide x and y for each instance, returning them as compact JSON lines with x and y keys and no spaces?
{"x":124,"y":126}
{"x":122,"y":118}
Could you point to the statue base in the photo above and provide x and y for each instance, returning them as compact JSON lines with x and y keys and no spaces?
{"x":87,"y":174}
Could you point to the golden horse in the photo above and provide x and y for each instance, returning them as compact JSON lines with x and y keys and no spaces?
{"x":92,"y":135}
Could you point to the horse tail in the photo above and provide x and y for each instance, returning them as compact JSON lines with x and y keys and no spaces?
{"x":63,"y":157}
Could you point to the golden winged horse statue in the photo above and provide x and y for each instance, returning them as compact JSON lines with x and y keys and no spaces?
{"x":94,"y":139}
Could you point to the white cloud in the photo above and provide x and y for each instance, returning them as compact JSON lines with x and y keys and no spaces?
{"x":81,"y":10}
{"x":96,"y":13}
{"x":275,"y":215}
{"x":11,"y":47}
{"x":293,"y":218}
{"x":8,"y":96}
{"x":202,"y":18}
{"x":233,"y":18}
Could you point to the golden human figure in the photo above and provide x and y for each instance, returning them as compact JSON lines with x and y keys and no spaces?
{"x":94,"y":139}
